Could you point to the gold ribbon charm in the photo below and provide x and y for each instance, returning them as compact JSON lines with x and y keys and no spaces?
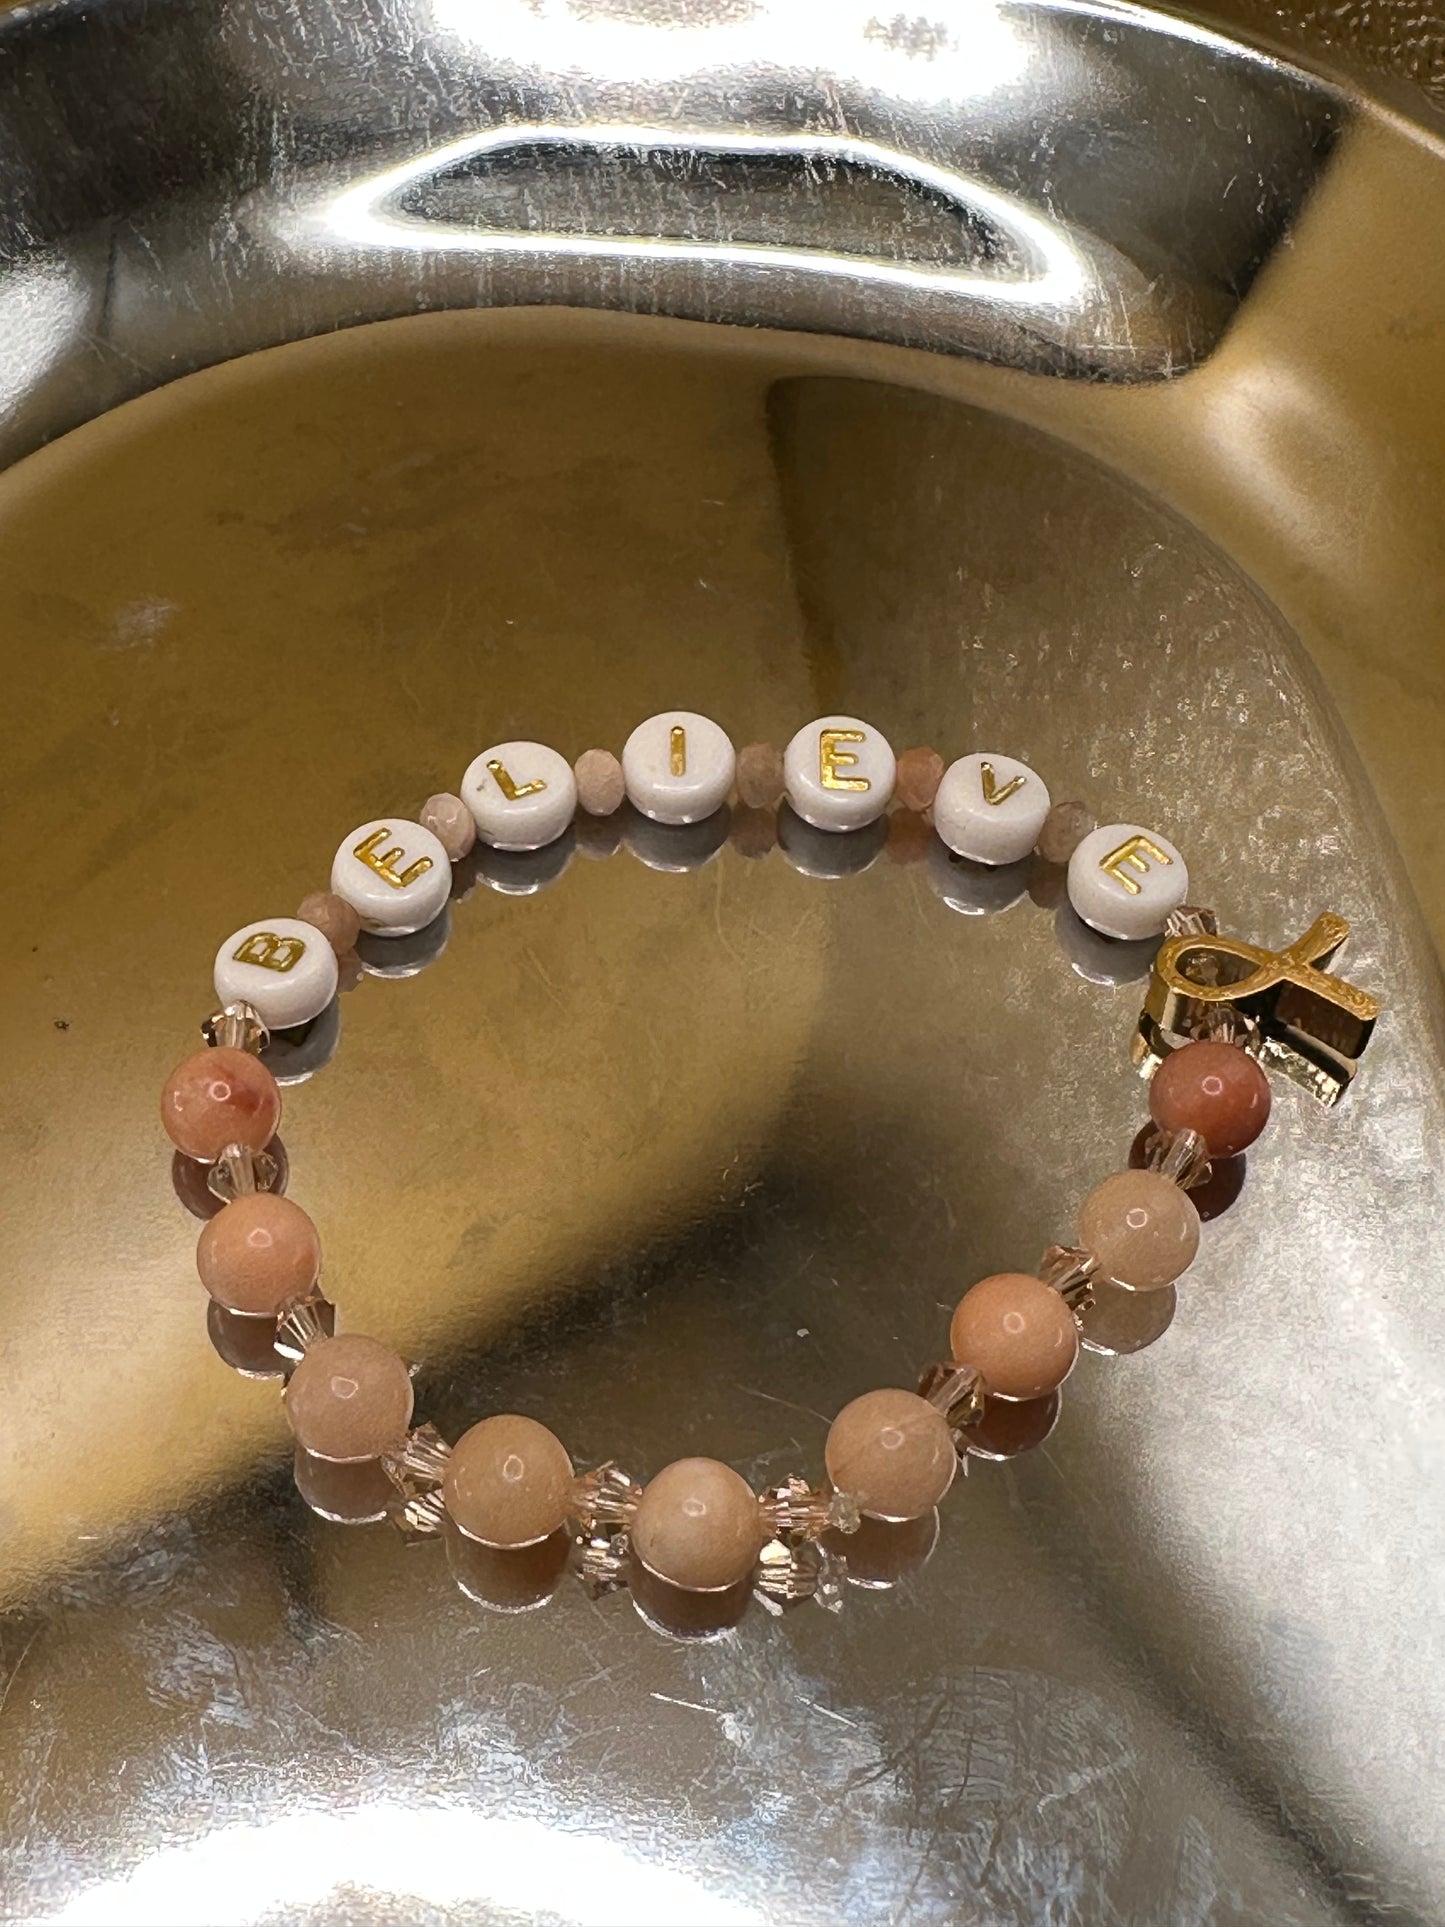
{"x":1313,"y":1026}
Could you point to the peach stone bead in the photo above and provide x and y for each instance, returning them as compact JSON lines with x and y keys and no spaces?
{"x":451,"y":823}
{"x":258,"y":1253}
{"x":508,"y":1482}
{"x":1142,"y":1227}
{"x":334,"y":917}
{"x":601,"y":786}
{"x":349,"y":1398}
{"x":698,"y":1525}
{"x":1018,"y":1332}
{"x":1065,"y":827}
{"x":910,"y":838}
{"x":920,"y":771}
{"x":893,"y":1452}
{"x":753,"y":833}
{"x":759,"y":776}
{"x":1216,"y":1089}
{"x":219,"y":1097}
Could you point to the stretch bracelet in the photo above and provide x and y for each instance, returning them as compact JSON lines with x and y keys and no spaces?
{"x":1218,"y":1012}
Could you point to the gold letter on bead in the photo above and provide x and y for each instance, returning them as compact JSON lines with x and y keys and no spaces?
{"x":383,"y":862}
{"x":1131,"y":856}
{"x":271,"y":952}
{"x":510,"y":789}
{"x":678,"y":764}
{"x":831,"y":759}
{"x":991,"y":791}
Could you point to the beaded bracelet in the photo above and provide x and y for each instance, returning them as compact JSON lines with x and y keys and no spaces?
{"x":1217,"y":1012}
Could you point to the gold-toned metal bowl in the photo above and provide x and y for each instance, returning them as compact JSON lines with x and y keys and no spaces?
{"x":1059,"y":379}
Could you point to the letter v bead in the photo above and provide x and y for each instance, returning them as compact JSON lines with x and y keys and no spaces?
{"x":993,"y":790}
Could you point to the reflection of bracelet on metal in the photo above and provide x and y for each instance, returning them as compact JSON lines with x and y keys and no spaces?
{"x":891,"y":1454}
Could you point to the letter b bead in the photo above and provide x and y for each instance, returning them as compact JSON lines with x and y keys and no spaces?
{"x":285,"y":969}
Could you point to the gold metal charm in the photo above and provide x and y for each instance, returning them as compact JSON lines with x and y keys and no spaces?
{"x":1312,"y":1026}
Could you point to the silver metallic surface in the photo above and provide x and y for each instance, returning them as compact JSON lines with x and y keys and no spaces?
{"x":677,"y":1150}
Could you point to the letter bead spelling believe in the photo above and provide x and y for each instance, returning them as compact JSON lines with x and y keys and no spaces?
{"x":1127,"y":881}
{"x":283,"y":968}
{"x":990,"y":808}
{"x":678,"y":767}
{"x":395,"y":875}
{"x":890,"y":1455}
{"x":839,"y":773}
{"x":522,"y":795}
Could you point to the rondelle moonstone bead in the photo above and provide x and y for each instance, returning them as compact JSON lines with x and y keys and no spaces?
{"x":334,"y":917}
{"x":349,"y":1398}
{"x":1018,"y":1332}
{"x":760,"y":776}
{"x":920,"y":771}
{"x":1142,"y":1227}
{"x":601,"y":785}
{"x":219,"y":1097}
{"x":508,"y":1481}
{"x":893,"y":1452}
{"x":698,"y":1525}
{"x":1215,"y":1089}
{"x":451,"y":823}
{"x":259,"y":1253}
{"x":1065,"y":827}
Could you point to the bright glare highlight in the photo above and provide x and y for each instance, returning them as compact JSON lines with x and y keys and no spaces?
{"x":442,"y":1856}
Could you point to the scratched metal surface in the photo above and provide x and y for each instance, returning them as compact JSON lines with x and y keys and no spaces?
{"x":681,"y":1161}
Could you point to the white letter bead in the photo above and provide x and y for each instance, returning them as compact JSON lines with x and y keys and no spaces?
{"x":523,"y":795}
{"x":395,"y":875}
{"x":283,"y":968}
{"x":1125,"y":881}
{"x":839,"y":773}
{"x":990,"y":808}
{"x":678,"y":767}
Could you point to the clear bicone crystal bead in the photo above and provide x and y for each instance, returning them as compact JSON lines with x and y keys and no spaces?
{"x":239,"y":1172}
{"x":421,"y":1463}
{"x":1071,"y":1271}
{"x":419,"y":1515}
{"x":602,"y":1561}
{"x":1182,"y":1156}
{"x":301,"y":1325}
{"x":789,"y":1575}
{"x":237,"y":1027}
{"x":958,"y":1391}
{"x":1191,"y":920}
{"x":797,"y":1510}
{"x":1227,"y":1024}
{"x":605,"y":1496}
